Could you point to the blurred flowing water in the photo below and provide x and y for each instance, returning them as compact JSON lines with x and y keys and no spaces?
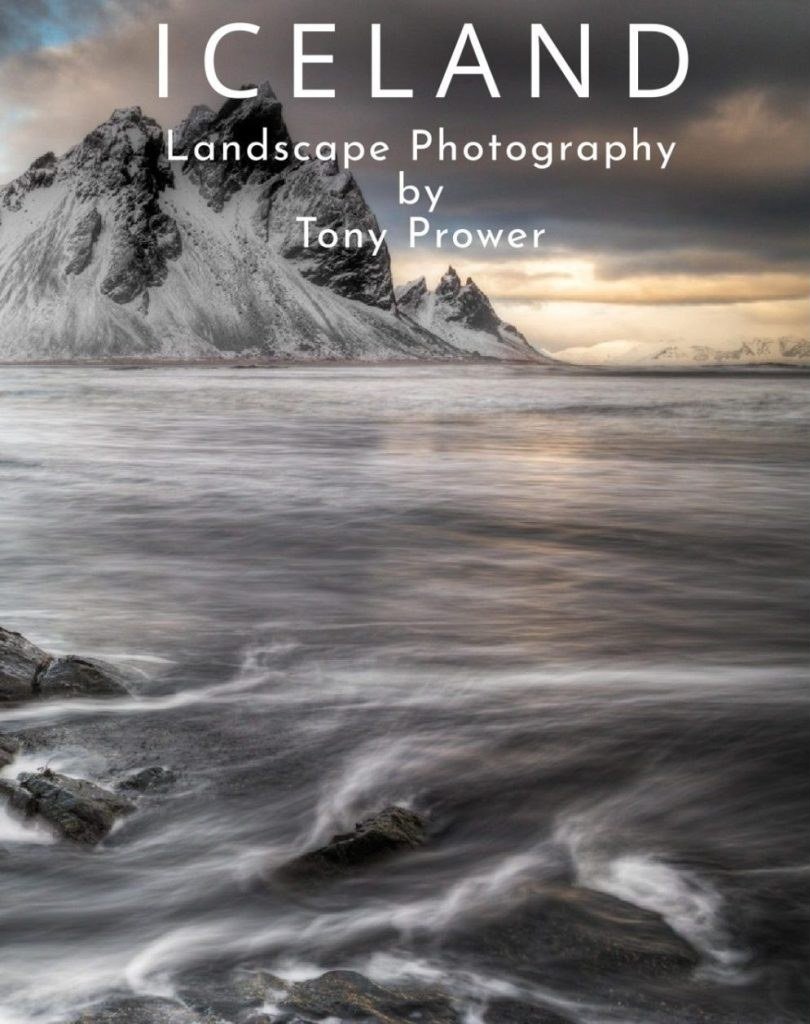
{"x":563,"y":614}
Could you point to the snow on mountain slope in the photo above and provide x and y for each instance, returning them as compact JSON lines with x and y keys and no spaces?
{"x":463,"y":315}
{"x":111,"y":252}
{"x":757,"y":352}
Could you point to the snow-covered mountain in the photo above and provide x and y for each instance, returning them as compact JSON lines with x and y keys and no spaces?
{"x":463,"y":315}
{"x":109,"y":251}
{"x":757,"y":352}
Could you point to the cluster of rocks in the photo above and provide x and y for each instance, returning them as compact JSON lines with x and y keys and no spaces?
{"x":579,"y":931}
{"x":76,"y":809}
{"x":29,"y":673}
{"x":258,"y":997}
{"x":79,"y":810}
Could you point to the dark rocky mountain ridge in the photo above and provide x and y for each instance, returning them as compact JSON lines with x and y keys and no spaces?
{"x":114,"y":251}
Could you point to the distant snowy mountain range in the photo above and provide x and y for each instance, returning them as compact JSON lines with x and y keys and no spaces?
{"x":757,"y":352}
{"x":109,"y":252}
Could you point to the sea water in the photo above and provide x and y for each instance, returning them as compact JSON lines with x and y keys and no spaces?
{"x":563,"y":614}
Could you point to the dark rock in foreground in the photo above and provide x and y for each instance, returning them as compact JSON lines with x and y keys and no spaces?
{"x":392,"y":830}
{"x":569,"y":931}
{"x":9,"y":748}
{"x":345,"y":996}
{"x":138,"y":1011}
{"x":78,"y":677}
{"x":350,"y":996}
{"x":77,"y":809}
{"x":28,"y":673}
{"x":511,"y":1011}
{"x":20,"y":661}
{"x":149,"y":779}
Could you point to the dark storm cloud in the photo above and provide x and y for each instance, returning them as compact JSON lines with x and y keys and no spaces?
{"x":739,"y":174}
{"x":737,"y":182}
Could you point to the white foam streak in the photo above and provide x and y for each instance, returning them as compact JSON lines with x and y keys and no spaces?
{"x":14,"y":829}
{"x":691,"y":906}
{"x":371,"y":775}
{"x":151,"y":970}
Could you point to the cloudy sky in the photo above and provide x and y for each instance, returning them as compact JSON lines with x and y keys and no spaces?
{"x":714,"y":249}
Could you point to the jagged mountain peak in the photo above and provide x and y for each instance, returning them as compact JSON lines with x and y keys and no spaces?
{"x":193,"y":127}
{"x":233,"y":112}
{"x":465,"y":315}
{"x":46,"y":160}
{"x":109,"y":251}
{"x":112,"y":180}
{"x":468,"y":305}
{"x":122,"y":155}
{"x":123,"y":121}
{"x":320,"y":189}
{"x":40,"y":174}
{"x":412,"y":293}
{"x":239,"y":121}
{"x":128,"y":115}
{"x":450,"y":283}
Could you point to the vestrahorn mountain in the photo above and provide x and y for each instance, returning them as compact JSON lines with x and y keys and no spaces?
{"x":110,"y":252}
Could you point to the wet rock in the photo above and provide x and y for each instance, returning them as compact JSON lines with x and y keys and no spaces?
{"x":20,"y":661}
{"x":27,"y":672}
{"x":388,"y":832}
{"x":139,"y":1011}
{"x":241,"y":995}
{"x":79,"y":810}
{"x":572,"y":931}
{"x":512,"y":1011}
{"x":19,"y":799}
{"x":347,"y":996}
{"x":77,"y":677}
{"x":149,"y":779}
{"x":9,"y":748}
{"x":252,"y":995}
